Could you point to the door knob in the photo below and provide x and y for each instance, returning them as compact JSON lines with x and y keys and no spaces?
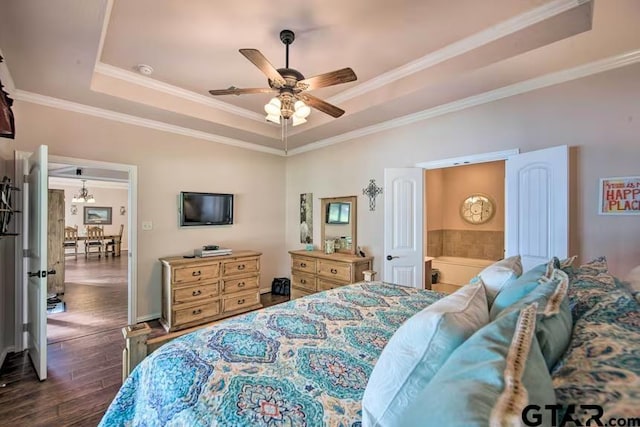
{"x":389,"y":257}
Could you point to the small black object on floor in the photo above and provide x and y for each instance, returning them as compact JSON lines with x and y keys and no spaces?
{"x":281,"y":286}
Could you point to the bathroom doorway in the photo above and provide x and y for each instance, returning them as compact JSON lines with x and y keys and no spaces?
{"x":464,"y":226}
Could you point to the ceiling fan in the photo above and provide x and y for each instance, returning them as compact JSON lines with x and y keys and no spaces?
{"x":292,"y":100}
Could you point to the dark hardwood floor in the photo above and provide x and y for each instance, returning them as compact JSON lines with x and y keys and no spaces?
{"x":95,"y":296}
{"x":84,"y":358}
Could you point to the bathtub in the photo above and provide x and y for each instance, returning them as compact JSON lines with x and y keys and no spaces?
{"x":458,"y":271}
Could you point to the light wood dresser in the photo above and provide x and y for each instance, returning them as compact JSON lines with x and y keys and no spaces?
{"x":200,"y":290}
{"x":315,"y":271}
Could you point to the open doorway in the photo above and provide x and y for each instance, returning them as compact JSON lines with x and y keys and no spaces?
{"x":88,"y":247}
{"x":464,"y":222}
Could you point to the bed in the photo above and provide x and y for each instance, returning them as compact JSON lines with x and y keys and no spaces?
{"x":307,"y":362}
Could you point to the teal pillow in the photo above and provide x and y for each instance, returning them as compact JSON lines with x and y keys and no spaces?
{"x":520,"y":287}
{"x":418,"y":349}
{"x":489,"y":379}
{"x":554,"y":322}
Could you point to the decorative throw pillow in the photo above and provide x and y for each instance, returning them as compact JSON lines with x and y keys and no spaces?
{"x":520,"y":287}
{"x":489,"y":379}
{"x":554,"y":323}
{"x":498,"y":274}
{"x":418,"y":349}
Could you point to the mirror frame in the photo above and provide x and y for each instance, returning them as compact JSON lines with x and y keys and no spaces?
{"x":352,"y":221}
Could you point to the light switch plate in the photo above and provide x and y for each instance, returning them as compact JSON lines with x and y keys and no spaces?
{"x":147,"y":225}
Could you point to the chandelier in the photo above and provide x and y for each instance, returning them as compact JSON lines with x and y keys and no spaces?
{"x":83,"y":196}
{"x":286,"y":106}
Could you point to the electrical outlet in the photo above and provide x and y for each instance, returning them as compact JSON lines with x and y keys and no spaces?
{"x":147,"y":225}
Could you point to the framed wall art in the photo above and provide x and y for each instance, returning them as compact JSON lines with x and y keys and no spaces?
{"x":620,"y":195}
{"x":94,"y":215}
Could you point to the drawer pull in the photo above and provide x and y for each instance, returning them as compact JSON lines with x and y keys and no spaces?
{"x":196,"y":273}
{"x":241,"y":267}
{"x":303,"y":264}
{"x":303,"y":281}
{"x":198,"y":311}
{"x":241,"y":285}
{"x":241,"y":301}
{"x":196,"y":293}
{"x":334,"y":271}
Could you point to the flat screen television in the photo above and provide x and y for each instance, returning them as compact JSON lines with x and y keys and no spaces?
{"x":338,"y":213}
{"x":205,"y":209}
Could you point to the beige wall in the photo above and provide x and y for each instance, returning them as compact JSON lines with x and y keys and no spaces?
{"x":105,"y":197}
{"x":167,"y":164}
{"x":463,"y":181}
{"x":435,"y":199}
{"x":598,"y":116}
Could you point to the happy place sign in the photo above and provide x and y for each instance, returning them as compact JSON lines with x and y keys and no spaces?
{"x":620,"y":196}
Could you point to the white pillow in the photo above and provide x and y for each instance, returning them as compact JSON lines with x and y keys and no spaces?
{"x":416,"y":351}
{"x":498,"y":274}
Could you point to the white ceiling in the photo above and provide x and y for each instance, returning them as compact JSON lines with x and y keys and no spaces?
{"x":412,"y":57}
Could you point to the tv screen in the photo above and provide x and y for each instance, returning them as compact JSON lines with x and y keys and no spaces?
{"x":205,"y":209}
{"x":338,"y":213}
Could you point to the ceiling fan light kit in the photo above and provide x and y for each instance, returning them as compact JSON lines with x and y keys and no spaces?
{"x":292,"y":100}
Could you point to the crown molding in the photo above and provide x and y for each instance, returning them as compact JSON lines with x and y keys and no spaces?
{"x":137,"y":79}
{"x":103,"y":33}
{"x":460,"y":47}
{"x":62,"y":104}
{"x":550,"y":79}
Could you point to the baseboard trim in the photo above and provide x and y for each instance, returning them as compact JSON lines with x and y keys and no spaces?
{"x":148,"y":317}
{"x":4,"y":353}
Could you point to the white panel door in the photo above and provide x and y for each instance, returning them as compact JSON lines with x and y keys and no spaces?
{"x":537,"y":205}
{"x":403,"y":261}
{"x":36,"y":237}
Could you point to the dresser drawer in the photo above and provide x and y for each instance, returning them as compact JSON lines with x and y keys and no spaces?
{"x":303,"y":281}
{"x":327,"y":285}
{"x":334,"y":270}
{"x":303,"y":264}
{"x":239,"y":301}
{"x":196,"y":273}
{"x":196,"y":312}
{"x":238,"y":267}
{"x":230,"y":286}
{"x":297,"y":293}
{"x":199,"y":292}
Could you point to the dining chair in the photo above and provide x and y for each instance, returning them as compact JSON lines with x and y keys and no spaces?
{"x":94,"y":239}
{"x":71,"y":241}
{"x":114,"y":245}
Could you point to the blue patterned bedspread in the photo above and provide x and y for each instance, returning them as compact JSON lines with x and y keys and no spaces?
{"x":302,"y":363}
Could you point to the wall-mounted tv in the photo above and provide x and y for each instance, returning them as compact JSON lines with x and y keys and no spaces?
{"x":338,"y":213}
{"x":205,"y":209}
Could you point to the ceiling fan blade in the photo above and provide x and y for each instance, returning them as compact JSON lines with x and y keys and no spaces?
{"x":259,"y":60}
{"x":321,"y":105}
{"x":237,"y":91}
{"x":337,"y":77}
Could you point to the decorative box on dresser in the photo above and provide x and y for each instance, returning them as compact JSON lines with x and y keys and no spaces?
{"x":201,"y":290}
{"x":315,"y":271}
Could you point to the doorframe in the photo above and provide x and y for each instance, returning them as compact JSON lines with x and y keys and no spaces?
{"x":471,"y":159}
{"x":132,"y":294}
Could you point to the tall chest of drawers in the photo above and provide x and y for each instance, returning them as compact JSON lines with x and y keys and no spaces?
{"x":201,"y":290}
{"x":315,"y":271}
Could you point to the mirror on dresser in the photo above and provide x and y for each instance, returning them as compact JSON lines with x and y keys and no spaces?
{"x":338,"y":224}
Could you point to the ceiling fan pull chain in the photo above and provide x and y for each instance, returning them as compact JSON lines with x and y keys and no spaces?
{"x":284,"y":135}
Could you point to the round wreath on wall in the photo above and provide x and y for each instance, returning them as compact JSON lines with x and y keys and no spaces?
{"x":477,"y":209}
